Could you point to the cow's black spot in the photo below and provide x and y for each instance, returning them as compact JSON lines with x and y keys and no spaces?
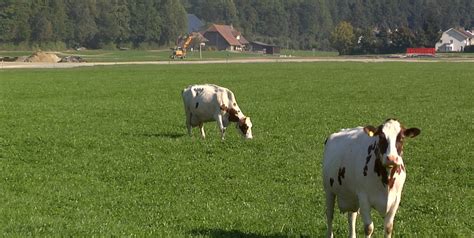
{"x":331,"y":181}
{"x":197,"y":104}
{"x":383,"y":143}
{"x":371,"y":147}
{"x":367,"y":159}
{"x":381,"y":171}
{"x":340,"y":175}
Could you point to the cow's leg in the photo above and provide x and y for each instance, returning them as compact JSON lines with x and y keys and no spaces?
{"x":188,"y":124}
{"x":221,"y":125}
{"x":330,"y":201}
{"x":351,"y":219}
{"x":201,"y":128}
{"x":365,"y":213}
{"x":388,"y":223}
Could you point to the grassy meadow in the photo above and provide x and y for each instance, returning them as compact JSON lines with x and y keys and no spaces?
{"x":103,"y":151}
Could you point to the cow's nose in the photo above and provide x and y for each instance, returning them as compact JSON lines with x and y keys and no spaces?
{"x":392,"y":160}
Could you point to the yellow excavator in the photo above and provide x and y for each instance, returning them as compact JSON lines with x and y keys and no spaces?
{"x":179,"y":52}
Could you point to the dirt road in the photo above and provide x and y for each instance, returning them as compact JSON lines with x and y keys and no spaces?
{"x":24,"y":65}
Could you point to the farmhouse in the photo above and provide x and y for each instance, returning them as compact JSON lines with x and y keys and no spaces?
{"x":225,"y":37}
{"x":454,"y":40}
{"x":264,"y":48}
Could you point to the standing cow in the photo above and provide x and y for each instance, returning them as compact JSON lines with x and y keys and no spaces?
{"x":208,"y":102}
{"x":363,"y":169}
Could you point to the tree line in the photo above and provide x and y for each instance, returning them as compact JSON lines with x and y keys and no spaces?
{"x":349,"y":40}
{"x":295,"y":24}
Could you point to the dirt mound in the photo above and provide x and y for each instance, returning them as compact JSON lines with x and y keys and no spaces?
{"x":43,"y":57}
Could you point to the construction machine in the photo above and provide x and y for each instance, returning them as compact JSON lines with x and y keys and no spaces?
{"x":179,"y":52}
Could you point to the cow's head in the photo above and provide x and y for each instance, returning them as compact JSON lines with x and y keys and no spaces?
{"x":390,"y":140}
{"x":244,"y":126}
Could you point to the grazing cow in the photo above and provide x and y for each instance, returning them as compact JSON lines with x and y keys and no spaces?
{"x":208,"y":102}
{"x":363,"y":169}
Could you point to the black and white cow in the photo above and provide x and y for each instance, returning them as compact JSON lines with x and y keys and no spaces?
{"x":363,"y":169}
{"x":208,"y":102}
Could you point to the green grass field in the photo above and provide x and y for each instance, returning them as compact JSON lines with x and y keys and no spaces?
{"x":102,"y":151}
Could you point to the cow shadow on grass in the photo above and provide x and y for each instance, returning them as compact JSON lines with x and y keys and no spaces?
{"x":220,"y":233}
{"x":168,"y":135}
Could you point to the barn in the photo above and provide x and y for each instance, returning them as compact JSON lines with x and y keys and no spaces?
{"x":258,"y":46}
{"x":225,"y":37}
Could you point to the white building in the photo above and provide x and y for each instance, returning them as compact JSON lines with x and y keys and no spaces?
{"x":454,"y":40}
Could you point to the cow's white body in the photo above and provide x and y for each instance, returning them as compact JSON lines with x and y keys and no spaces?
{"x":358,"y":174}
{"x":208,"y":102}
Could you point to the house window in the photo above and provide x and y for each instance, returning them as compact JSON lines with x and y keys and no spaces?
{"x":451,"y":41}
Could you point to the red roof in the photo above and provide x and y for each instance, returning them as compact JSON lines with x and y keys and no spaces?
{"x":229,"y":34}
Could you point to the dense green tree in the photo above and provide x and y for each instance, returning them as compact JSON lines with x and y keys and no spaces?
{"x":145,"y":22}
{"x":272,"y":20}
{"x":21,"y":29}
{"x":229,"y":12}
{"x":41,"y":26}
{"x":343,"y":38}
{"x":430,"y":31}
{"x":367,"y":42}
{"x":59,"y":20}
{"x":293,"y":18}
{"x":112,"y":22}
{"x":7,"y":12}
{"x":402,"y":38}
{"x":301,"y":24}
{"x":122,"y":16}
{"x":82,"y":15}
{"x":248,"y":17}
{"x":175,"y":21}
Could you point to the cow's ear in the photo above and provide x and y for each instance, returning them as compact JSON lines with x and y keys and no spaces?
{"x":370,"y":130}
{"x":412,"y":132}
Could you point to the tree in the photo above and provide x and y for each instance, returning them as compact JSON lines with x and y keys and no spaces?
{"x":21,"y":29}
{"x":145,"y":22}
{"x":343,"y":38}
{"x":175,"y":19}
{"x":402,"y":39}
{"x":308,"y":23}
{"x":272,"y":20}
{"x":7,"y":21}
{"x":302,"y":24}
{"x":248,"y":17}
{"x":112,"y":22}
{"x":122,"y":16}
{"x":82,"y":15}
{"x":229,"y":12}
{"x":431,"y":29}
{"x":59,"y":20}
{"x":42,"y":29}
{"x":367,"y":43}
